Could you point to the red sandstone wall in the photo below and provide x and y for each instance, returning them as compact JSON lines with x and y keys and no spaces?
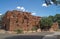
{"x":17,"y":19}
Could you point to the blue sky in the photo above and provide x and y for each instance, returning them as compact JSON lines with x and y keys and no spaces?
{"x":34,"y":6}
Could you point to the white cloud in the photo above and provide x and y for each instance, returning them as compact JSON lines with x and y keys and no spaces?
{"x":18,"y":7}
{"x":33,"y":13}
{"x":51,"y":2}
{"x":21,"y":8}
{"x":44,"y":5}
{"x":0,"y":14}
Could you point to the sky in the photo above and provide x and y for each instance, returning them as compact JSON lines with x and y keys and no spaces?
{"x":36,"y":7}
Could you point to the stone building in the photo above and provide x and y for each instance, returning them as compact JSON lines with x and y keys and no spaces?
{"x":14,"y":20}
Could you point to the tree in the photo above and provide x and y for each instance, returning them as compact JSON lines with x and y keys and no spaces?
{"x":51,"y":17}
{"x":1,"y":21}
{"x":57,"y":16}
{"x":50,"y":2}
{"x":46,"y":23}
{"x":1,"y":16}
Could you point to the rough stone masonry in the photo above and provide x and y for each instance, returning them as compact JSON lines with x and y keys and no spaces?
{"x":14,"y":20}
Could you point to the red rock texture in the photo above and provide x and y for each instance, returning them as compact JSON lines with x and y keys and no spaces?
{"x":55,"y":26}
{"x":14,"y":20}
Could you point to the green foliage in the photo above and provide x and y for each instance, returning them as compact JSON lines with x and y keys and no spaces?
{"x":58,"y":22}
{"x":51,"y":17}
{"x":56,"y":2}
{"x":1,"y":16}
{"x":57,"y":16}
{"x":19,"y":31}
{"x":46,"y":22}
{"x":34,"y":28}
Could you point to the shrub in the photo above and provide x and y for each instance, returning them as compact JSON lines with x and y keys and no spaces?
{"x":34,"y":28}
{"x":19,"y":31}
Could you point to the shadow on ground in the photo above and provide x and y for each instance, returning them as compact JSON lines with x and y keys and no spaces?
{"x":25,"y":37}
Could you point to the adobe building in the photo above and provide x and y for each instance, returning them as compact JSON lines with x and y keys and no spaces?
{"x":14,"y":20}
